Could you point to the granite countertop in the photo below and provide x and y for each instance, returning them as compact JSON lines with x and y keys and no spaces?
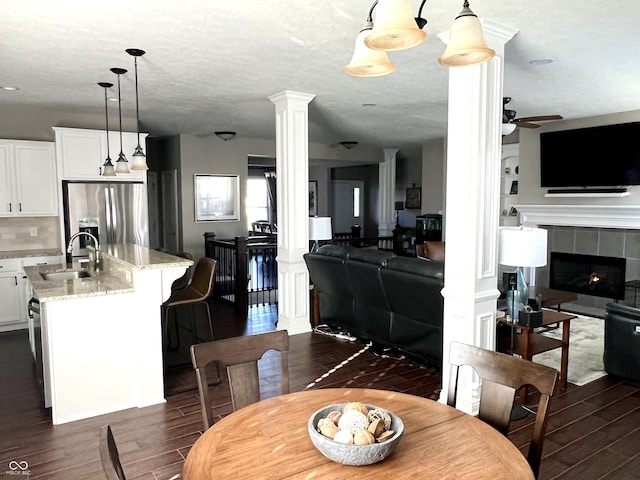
{"x":31,"y":253}
{"x":99,"y":283}
{"x":143,"y":258}
{"x":109,"y":282}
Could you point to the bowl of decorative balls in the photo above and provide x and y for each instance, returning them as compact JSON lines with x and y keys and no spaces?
{"x":355,"y":433}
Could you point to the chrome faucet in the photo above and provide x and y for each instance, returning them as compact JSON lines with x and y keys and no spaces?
{"x":97,"y":264}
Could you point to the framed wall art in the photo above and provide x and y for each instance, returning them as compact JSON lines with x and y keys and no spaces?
{"x":313,"y":198}
{"x":217,"y":197}
{"x":413,"y":198}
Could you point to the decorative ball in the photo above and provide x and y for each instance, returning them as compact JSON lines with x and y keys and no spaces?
{"x":343,"y":437}
{"x":353,"y":421}
{"x":379,"y":413}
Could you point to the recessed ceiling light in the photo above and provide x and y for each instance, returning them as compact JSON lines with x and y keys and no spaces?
{"x":10,"y":89}
{"x":540,"y":61}
{"x":369,"y":105}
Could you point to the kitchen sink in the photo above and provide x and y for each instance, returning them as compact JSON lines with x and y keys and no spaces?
{"x":66,"y":275}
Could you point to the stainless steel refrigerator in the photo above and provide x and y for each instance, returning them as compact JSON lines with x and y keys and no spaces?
{"x":114,"y":212}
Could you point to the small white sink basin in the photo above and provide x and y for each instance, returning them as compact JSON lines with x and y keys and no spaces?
{"x":65,"y":275}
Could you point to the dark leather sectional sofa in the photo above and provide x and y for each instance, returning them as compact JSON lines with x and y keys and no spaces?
{"x":392,"y":301}
{"x":622,"y":341}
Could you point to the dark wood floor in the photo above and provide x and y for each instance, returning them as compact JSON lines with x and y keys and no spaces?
{"x":593,"y":432}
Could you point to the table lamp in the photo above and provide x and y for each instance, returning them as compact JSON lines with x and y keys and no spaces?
{"x":398,"y":206}
{"x":521,"y":247}
{"x":319,"y":229}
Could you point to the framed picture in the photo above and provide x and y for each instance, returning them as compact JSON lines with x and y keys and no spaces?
{"x":217,"y":198}
{"x":413,"y":198}
{"x":313,"y":198}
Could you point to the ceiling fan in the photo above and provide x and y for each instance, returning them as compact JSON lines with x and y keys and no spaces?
{"x":510,"y":122}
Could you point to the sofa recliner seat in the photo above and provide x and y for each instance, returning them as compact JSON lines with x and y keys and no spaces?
{"x":391,"y":301}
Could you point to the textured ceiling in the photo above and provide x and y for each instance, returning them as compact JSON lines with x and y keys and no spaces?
{"x":211,"y":65}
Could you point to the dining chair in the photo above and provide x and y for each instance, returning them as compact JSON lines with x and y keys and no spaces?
{"x":111,"y":459}
{"x":502,"y":375}
{"x":240,"y":355}
{"x":195,"y":293}
{"x":109,"y":455}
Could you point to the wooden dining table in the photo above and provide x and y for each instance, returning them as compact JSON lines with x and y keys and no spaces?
{"x":270,"y":440}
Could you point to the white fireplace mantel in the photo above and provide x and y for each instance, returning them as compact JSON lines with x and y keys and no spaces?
{"x":599,"y":216}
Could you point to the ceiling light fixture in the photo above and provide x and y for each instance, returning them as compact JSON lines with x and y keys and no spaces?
{"x":225,"y":135}
{"x":121,"y":164}
{"x":138,"y":160}
{"x":395,"y":28}
{"x":108,"y":170}
{"x":349,"y":145}
{"x":10,"y":89}
{"x":466,"y":42}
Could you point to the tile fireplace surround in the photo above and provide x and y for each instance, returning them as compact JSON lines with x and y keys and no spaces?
{"x":609,"y":230}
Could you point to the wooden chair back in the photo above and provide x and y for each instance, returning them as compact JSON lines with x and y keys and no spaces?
{"x":502,"y":375}
{"x":203,"y":277}
{"x":109,"y":455}
{"x":240,"y":355}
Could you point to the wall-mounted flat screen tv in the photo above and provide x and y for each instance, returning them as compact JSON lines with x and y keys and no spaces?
{"x":605,"y":156}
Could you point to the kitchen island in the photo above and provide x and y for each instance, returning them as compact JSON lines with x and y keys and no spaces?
{"x":101,"y":338}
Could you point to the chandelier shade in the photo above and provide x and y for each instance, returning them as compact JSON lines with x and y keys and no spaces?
{"x":466,"y":44}
{"x":395,"y":27}
{"x":367,"y":62}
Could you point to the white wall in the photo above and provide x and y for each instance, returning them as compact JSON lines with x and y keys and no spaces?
{"x":433,"y":176}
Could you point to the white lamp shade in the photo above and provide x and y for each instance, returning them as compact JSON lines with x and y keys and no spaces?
{"x":108,"y":170}
{"x":139,"y":160}
{"x":523,"y":247}
{"x":394,"y":27}
{"x":366,"y":62}
{"x":466,"y":43}
{"x":508,"y":128}
{"x":320,"y":228}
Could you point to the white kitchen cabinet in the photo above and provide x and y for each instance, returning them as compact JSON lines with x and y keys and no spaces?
{"x":81,"y":153}
{"x":13,"y":313}
{"x":28,"y":179}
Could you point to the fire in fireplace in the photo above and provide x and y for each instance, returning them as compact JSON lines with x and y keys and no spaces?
{"x":588,"y":274}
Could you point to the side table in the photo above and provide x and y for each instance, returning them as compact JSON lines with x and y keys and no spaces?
{"x":528,"y":343}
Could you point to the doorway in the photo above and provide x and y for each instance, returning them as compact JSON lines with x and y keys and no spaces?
{"x":348,"y":205}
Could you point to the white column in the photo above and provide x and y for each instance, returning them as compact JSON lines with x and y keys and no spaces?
{"x":473,"y":202}
{"x":292,"y":167}
{"x":386,"y":192}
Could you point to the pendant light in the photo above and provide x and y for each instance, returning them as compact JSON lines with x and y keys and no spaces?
{"x":395,"y":27}
{"x":138,"y":160}
{"x":466,"y":42}
{"x":107,"y":170}
{"x":122,"y":166}
{"x":367,"y":62}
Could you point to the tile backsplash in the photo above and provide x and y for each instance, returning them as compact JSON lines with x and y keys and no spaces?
{"x":29,"y":233}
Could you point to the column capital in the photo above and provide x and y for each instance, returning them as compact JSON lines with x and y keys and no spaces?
{"x":288,"y":95}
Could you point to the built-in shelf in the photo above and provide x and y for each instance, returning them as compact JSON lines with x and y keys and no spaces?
{"x":588,"y":194}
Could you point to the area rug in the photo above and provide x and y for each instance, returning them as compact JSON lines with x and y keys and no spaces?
{"x":586,"y":348}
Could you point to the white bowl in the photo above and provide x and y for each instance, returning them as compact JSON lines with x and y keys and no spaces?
{"x":353,"y":454}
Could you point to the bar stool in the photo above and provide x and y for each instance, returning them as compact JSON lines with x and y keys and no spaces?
{"x":191,"y":295}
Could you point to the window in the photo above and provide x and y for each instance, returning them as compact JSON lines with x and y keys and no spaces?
{"x":356,"y":201}
{"x":256,"y":200}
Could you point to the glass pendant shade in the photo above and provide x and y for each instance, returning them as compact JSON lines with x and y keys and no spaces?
{"x":466,"y":42}
{"x":395,"y":27}
{"x":139,"y":160}
{"x":366,"y":62}
{"x":107,"y":169}
{"x":122,"y":166}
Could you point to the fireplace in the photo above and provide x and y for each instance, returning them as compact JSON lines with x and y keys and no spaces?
{"x":588,"y":274}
